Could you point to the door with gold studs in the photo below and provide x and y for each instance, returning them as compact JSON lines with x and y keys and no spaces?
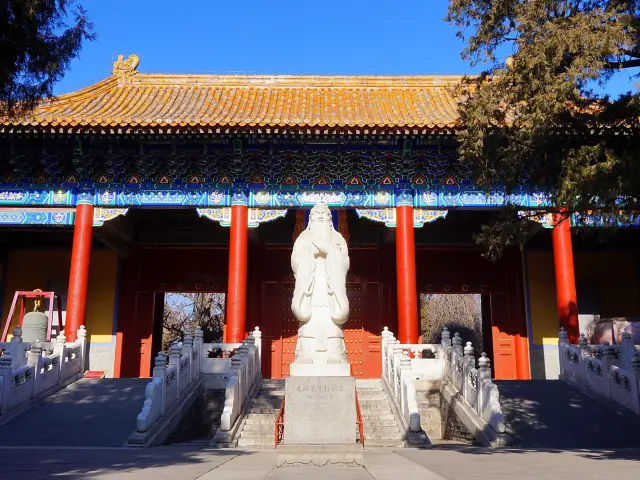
{"x":361,"y":331}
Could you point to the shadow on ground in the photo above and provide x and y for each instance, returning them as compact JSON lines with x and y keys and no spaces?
{"x":170,"y":462}
{"x":88,"y":413}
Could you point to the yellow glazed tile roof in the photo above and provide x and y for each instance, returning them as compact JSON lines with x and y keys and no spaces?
{"x":132,"y":99}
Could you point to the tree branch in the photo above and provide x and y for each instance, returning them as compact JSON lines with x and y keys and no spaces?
{"x":625,"y":64}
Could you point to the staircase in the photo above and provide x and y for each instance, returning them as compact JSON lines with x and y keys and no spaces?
{"x":257,"y":431}
{"x":380,"y":427}
{"x":439,"y":421}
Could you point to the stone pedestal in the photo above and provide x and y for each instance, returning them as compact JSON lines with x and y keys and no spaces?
{"x":320,"y":410}
{"x":320,"y":422}
{"x":320,"y":370}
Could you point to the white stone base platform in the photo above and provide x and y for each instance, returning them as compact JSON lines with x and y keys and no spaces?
{"x":339,"y":455}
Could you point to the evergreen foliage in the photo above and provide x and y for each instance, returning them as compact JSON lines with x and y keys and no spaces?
{"x":38,"y":39}
{"x":534,"y":112}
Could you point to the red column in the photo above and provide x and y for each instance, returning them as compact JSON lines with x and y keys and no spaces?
{"x":565,"y":277}
{"x":237,"y":288}
{"x":79,"y":274}
{"x":406,"y":275}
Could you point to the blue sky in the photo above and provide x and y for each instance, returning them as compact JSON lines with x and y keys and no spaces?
{"x":273,"y":37}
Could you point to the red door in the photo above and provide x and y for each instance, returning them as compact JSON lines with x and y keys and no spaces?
{"x":504,"y":345}
{"x":360,"y":331}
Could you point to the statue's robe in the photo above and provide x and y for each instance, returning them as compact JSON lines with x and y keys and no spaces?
{"x":310,"y":287}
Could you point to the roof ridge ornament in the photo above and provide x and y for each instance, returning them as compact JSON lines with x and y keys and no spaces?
{"x":125,"y":70}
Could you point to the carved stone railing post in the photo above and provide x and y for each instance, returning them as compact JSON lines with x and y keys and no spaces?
{"x":456,"y":362}
{"x":187,"y":353}
{"x":563,"y":337}
{"x":484,"y":374}
{"x":445,"y":339}
{"x":628,"y":350}
{"x":159,"y":372}
{"x":196,"y":356}
{"x":59,"y":348}
{"x":17,"y":349}
{"x":257,"y":336}
{"x":34,"y":355}
{"x":159,"y":366}
{"x":468,"y":365}
{"x":174,"y":355}
{"x":608,"y":356}
{"x":397,"y":358}
{"x":583,"y":345}
{"x":6,"y":377}
{"x":386,"y":334}
{"x":81,"y":339}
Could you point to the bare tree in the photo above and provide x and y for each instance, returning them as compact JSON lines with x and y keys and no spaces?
{"x":458,"y":312}
{"x":183,"y":312}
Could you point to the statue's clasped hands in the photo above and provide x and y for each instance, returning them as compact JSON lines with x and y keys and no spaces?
{"x":322,"y":246}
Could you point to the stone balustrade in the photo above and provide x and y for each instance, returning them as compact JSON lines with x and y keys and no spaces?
{"x":29,"y":371}
{"x":399,"y":372}
{"x":469,"y":389}
{"x":217,"y":358}
{"x":171,"y":379}
{"x":245,"y":377}
{"x":186,"y":368}
{"x":611,"y":372}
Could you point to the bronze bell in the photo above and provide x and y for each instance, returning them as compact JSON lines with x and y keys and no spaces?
{"x":34,"y":324}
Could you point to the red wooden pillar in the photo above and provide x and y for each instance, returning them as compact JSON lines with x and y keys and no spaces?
{"x":565,"y":277}
{"x":406,"y":270}
{"x":79,"y":274}
{"x":237,"y":289}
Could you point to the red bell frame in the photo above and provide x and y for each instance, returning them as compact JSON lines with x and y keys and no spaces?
{"x":54,"y":299}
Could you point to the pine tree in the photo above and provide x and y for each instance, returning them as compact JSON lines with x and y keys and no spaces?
{"x":38,"y":39}
{"x":534,"y":119}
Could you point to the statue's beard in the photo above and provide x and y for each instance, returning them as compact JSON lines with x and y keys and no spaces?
{"x":318,"y":229}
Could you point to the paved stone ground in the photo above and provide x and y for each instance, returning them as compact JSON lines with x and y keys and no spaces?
{"x":101,"y":413}
{"x":552,"y":414}
{"x":189,"y":463}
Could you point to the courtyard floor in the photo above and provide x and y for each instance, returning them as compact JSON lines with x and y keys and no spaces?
{"x":190,"y":463}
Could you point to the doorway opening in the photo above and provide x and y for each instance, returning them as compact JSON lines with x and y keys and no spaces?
{"x":179,"y":313}
{"x":459,"y":312}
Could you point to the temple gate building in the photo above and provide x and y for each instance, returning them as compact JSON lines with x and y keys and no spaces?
{"x":144,"y":184}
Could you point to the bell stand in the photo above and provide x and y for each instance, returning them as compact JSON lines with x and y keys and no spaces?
{"x":54,"y":300}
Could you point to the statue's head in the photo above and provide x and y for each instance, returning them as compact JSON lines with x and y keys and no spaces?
{"x":320,"y":222}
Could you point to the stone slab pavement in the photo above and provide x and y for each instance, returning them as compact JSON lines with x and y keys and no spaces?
{"x":197,"y":463}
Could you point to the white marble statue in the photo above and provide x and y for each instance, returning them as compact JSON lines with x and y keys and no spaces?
{"x":320,"y":261}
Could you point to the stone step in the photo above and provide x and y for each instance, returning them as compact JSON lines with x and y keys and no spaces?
{"x":382,"y":436}
{"x":267,"y":410}
{"x":376,"y":411}
{"x":259,"y":427}
{"x":375,"y":422}
{"x":257,"y":434}
{"x":256,"y":442}
{"x":376,"y":442}
{"x":250,"y":420}
{"x":368,"y":381}
{"x":372,"y":430}
{"x":371,"y":396}
{"x":271,"y":396}
{"x":266,"y":403}
{"x":366,"y":417}
{"x":262,"y":416}
{"x":272,"y":387}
